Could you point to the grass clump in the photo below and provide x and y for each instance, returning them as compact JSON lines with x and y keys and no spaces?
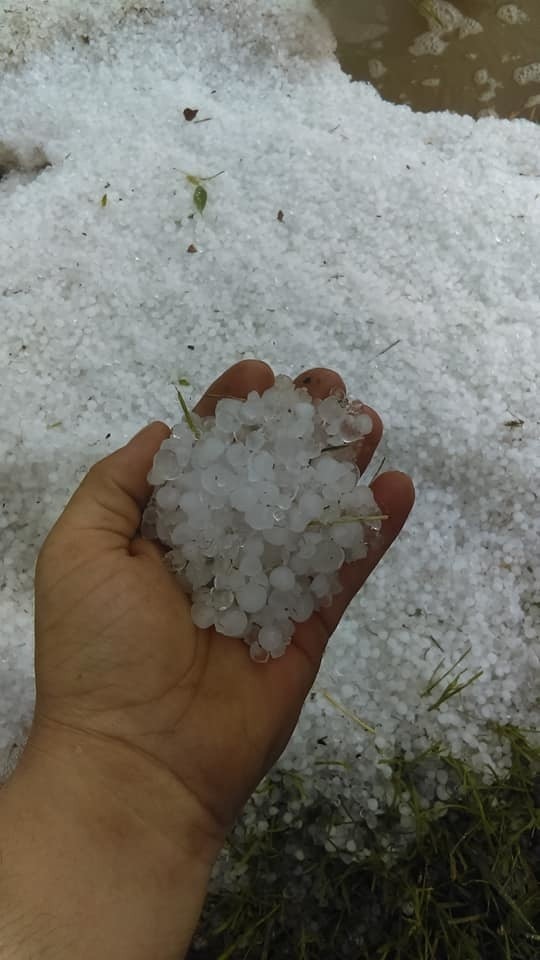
{"x":462,"y":882}
{"x":454,"y":686}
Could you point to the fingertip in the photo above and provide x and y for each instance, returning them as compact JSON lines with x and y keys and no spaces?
{"x":321,"y":382}
{"x":155,"y":429}
{"x":253,"y":375}
{"x":238,"y":381}
{"x":254,"y":366}
{"x":394,"y":493}
{"x":394,"y":489}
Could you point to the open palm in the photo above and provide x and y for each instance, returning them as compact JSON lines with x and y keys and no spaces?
{"x":118,"y":659}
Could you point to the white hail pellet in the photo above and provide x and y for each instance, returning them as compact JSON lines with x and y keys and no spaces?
{"x":249,"y":504}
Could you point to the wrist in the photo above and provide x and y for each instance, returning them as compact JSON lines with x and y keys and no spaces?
{"x":100,"y":856}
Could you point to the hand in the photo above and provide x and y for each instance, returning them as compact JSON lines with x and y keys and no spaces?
{"x":118,"y":657}
{"x":175,"y":723}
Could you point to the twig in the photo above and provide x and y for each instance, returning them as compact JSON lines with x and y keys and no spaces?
{"x":331,"y":523}
{"x":386,"y":349}
{"x":379,"y":468}
{"x":342,"y":446}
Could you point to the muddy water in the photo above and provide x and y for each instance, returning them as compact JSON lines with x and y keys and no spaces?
{"x":472,"y":56}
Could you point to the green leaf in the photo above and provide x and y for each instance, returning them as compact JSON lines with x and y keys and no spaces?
{"x":104,"y":200}
{"x":200,"y":197}
{"x":184,"y":382}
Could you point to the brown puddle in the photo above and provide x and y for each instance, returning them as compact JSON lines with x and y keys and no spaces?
{"x":472,"y":56}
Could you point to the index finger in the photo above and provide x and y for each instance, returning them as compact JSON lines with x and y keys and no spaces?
{"x":237,"y":381}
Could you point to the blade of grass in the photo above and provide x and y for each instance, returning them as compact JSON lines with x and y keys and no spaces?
{"x":187,"y":414}
{"x":347,"y":713}
{"x":453,"y":688}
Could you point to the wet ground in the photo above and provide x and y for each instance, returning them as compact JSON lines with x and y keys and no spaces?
{"x":471,"y":56}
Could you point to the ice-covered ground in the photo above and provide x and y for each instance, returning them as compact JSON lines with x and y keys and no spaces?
{"x":416,"y":231}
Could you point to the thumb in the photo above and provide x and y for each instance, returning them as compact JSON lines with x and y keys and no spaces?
{"x":114,"y":492}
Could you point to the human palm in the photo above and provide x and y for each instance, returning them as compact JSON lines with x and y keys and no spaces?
{"x":118,"y":659}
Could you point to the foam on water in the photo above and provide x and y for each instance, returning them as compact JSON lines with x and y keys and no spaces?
{"x":511,"y":14}
{"x":530,"y":73}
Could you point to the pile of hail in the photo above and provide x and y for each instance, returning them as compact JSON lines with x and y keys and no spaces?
{"x":261,"y":506}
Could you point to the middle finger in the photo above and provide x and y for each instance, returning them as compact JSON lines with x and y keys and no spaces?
{"x":320,"y":383}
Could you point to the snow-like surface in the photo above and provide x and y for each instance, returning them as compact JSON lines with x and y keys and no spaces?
{"x":397,"y":227}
